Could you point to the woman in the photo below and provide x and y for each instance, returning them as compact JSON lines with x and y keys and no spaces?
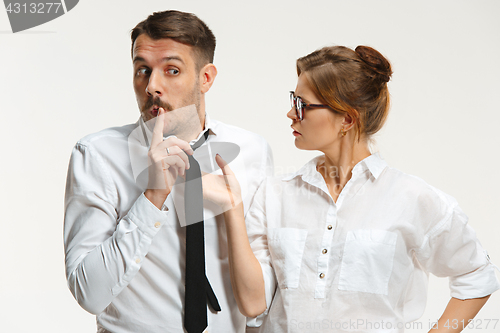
{"x":346,"y":243}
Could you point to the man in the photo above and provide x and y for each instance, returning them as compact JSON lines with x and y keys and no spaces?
{"x":125,"y":231}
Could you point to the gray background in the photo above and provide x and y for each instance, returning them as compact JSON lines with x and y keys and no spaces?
{"x":72,"y":76}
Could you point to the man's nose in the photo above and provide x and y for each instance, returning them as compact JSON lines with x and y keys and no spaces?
{"x":154,"y":87}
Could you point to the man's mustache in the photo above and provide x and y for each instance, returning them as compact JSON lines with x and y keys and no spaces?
{"x":158,"y":102}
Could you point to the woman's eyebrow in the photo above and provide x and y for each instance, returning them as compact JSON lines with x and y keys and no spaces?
{"x":305,"y":100}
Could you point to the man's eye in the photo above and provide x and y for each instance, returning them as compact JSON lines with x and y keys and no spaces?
{"x":143,"y":71}
{"x":173,"y":71}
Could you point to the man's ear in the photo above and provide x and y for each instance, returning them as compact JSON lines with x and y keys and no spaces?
{"x":207,"y":77}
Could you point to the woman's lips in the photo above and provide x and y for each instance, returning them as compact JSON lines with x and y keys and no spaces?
{"x":295,"y":133}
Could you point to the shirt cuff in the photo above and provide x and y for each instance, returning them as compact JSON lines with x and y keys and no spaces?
{"x":479,"y":283}
{"x":270,"y":288}
{"x":146,"y":216}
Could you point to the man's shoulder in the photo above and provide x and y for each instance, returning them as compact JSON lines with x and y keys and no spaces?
{"x":108,"y":135}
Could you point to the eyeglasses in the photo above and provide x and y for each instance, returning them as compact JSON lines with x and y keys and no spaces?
{"x":300,"y":106}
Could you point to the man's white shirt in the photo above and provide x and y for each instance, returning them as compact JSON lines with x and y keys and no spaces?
{"x":125,"y":259}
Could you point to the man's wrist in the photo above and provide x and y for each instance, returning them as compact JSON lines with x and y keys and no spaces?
{"x":157,"y":196}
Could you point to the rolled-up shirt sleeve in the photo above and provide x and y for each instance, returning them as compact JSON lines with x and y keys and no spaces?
{"x":256,"y":221}
{"x":451,"y":249}
{"x":103,"y":252}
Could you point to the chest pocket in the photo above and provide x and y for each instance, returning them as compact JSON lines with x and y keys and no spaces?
{"x":367,"y":261}
{"x":286,"y":246}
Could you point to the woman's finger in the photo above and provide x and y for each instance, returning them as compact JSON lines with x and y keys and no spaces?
{"x":226,"y":170}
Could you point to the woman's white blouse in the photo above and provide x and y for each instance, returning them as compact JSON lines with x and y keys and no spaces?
{"x":360,"y":264}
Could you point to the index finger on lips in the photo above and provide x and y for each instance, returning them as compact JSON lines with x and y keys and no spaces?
{"x":158,"y":129}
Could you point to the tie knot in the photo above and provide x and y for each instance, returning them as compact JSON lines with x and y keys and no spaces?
{"x":198,"y":143}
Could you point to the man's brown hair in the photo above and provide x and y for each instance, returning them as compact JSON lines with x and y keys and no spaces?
{"x":182,"y":27}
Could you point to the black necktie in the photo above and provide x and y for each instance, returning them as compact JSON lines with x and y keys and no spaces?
{"x":198,"y":288}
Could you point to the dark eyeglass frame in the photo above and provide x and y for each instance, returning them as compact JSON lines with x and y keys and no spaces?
{"x":300,"y":106}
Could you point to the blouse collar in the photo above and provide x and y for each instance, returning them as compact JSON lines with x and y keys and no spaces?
{"x":373,"y":163}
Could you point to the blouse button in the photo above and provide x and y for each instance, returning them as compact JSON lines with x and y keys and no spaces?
{"x":324,"y":251}
{"x":330,"y":227}
{"x":321,"y":275}
{"x":157,"y":224}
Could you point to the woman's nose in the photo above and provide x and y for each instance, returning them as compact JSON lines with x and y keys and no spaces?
{"x":292,"y":114}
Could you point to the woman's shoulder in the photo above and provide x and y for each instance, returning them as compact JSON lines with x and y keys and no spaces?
{"x":414,"y":190}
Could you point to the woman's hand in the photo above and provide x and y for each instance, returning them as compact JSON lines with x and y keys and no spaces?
{"x":223,"y":190}
{"x":247,"y":279}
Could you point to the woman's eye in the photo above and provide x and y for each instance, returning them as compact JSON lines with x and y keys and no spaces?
{"x":173,"y":71}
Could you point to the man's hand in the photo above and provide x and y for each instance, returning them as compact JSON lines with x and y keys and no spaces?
{"x":168,"y":159}
{"x":222,"y":190}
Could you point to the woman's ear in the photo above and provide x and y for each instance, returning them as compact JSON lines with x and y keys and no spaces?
{"x":349,"y":122}
{"x":207,"y":77}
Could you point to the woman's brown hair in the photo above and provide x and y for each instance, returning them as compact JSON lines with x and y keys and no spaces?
{"x":352,"y":82}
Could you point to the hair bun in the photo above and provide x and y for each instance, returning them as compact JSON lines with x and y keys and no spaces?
{"x":376,"y":62}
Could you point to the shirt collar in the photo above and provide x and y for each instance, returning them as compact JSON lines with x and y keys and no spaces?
{"x":209,"y":126}
{"x":373,"y":163}
{"x":306,"y":170}
{"x":148,"y":134}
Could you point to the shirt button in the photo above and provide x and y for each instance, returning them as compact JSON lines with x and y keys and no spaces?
{"x":157,"y":224}
{"x":324,"y":251}
{"x":138,"y":260}
{"x":330,"y":227}
{"x":321,"y":275}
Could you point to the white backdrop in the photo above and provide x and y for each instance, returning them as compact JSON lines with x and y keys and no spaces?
{"x":73,"y":76}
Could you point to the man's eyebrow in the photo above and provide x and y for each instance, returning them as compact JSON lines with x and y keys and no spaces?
{"x":136,"y":59}
{"x":165,"y":59}
{"x":173,"y":58}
